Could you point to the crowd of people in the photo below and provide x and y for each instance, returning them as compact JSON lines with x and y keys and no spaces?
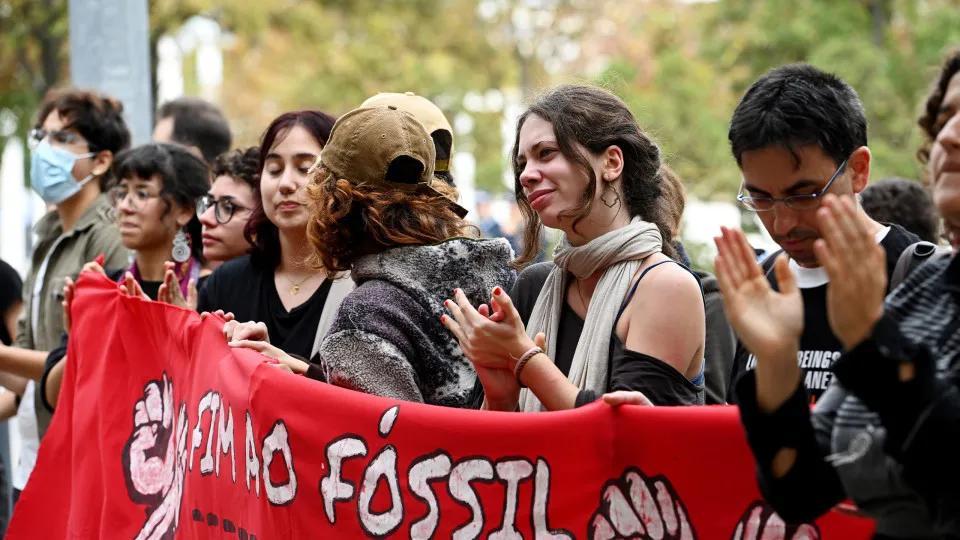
{"x":338,"y":249}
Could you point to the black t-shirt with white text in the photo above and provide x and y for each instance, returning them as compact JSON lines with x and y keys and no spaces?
{"x":819,"y":347}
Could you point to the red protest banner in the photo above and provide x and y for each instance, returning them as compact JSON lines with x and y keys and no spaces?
{"x":163,"y":431}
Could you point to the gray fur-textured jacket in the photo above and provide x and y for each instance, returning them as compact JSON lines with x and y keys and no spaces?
{"x":387,"y":338}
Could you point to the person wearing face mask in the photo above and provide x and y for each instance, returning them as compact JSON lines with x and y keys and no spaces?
{"x":73,"y":146}
{"x":154,"y":203}
{"x":225,"y":210}
{"x":292,"y":303}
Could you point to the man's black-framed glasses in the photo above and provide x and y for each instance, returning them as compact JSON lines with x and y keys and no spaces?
{"x":796,"y":202}
{"x":224,"y":208}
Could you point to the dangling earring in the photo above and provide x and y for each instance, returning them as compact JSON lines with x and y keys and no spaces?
{"x":612,"y":203}
{"x":181,"y":247}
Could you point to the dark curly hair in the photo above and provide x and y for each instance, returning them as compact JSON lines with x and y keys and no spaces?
{"x":928,"y":121}
{"x":98,"y":118}
{"x":348,"y":221}
{"x":900,"y":201}
{"x":597,"y":120}
{"x":240,"y":164}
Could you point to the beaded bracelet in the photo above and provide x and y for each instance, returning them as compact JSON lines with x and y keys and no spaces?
{"x":522,"y":362}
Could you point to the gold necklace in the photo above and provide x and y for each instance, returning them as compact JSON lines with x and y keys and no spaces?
{"x":295,"y":287}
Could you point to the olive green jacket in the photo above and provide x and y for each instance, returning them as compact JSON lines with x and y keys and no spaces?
{"x":59,"y":255}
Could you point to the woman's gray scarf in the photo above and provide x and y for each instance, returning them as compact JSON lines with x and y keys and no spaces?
{"x":619,"y":253}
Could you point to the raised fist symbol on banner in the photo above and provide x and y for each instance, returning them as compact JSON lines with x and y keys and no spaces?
{"x":637,"y":507}
{"x":760,"y":522}
{"x":155,"y":459}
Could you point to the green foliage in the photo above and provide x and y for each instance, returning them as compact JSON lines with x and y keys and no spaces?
{"x":686,"y":87}
{"x":681,"y":67}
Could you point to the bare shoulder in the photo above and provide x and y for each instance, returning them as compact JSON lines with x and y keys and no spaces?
{"x":668,"y":288}
{"x":661,"y":273}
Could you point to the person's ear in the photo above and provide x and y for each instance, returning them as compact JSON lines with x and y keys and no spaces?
{"x":859,"y":166}
{"x":612,"y":164}
{"x":183,"y":215}
{"x":102,"y":163}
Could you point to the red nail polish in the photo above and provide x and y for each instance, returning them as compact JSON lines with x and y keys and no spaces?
{"x":498,"y":291}
{"x":443,"y":318}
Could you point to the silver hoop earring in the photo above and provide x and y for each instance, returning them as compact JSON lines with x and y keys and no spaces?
{"x":181,"y":247}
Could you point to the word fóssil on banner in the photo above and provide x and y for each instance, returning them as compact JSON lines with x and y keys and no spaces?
{"x":163,"y":431}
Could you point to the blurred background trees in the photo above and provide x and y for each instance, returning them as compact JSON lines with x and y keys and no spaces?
{"x":681,"y":65}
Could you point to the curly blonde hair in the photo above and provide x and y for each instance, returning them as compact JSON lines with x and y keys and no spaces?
{"x":349,"y":220}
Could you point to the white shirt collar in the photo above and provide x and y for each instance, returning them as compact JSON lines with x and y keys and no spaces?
{"x":809,"y":278}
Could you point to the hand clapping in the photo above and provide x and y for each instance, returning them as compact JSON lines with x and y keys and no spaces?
{"x":857,"y":267}
{"x":768,"y":322}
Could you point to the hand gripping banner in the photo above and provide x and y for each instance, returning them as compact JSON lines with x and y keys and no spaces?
{"x":163,"y":431}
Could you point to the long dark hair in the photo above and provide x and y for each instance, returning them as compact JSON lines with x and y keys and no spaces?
{"x":262,"y":234}
{"x":184,"y":178}
{"x":597,"y":120}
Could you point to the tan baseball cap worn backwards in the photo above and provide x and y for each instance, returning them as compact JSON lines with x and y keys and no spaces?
{"x":426,"y":112}
{"x":365,"y":142}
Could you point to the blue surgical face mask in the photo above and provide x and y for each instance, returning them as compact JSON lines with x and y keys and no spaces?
{"x":51,"y":173}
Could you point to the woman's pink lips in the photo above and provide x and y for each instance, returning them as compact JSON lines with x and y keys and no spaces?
{"x":537,"y":198}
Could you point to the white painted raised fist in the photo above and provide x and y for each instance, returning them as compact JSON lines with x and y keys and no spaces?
{"x":155,"y":459}
{"x":642,"y":508}
{"x":760,"y":522}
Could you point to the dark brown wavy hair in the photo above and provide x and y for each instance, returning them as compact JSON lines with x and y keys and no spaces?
{"x":673,"y":200}
{"x":931,"y":109}
{"x":349,"y":221}
{"x":596,"y":119}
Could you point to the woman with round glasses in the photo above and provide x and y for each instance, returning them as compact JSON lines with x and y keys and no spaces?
{"x":225,"y":210}
{"x":155,"y":207}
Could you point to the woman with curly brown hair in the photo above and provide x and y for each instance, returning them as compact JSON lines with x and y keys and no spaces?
{"x":941,"y":105}
{"x":378,"y":212}
{"x":225,"y":210}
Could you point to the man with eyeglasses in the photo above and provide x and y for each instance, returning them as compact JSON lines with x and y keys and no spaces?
{"x":797,"y":135}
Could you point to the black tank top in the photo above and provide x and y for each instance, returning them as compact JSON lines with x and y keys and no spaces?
{"x":629,"y":370}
